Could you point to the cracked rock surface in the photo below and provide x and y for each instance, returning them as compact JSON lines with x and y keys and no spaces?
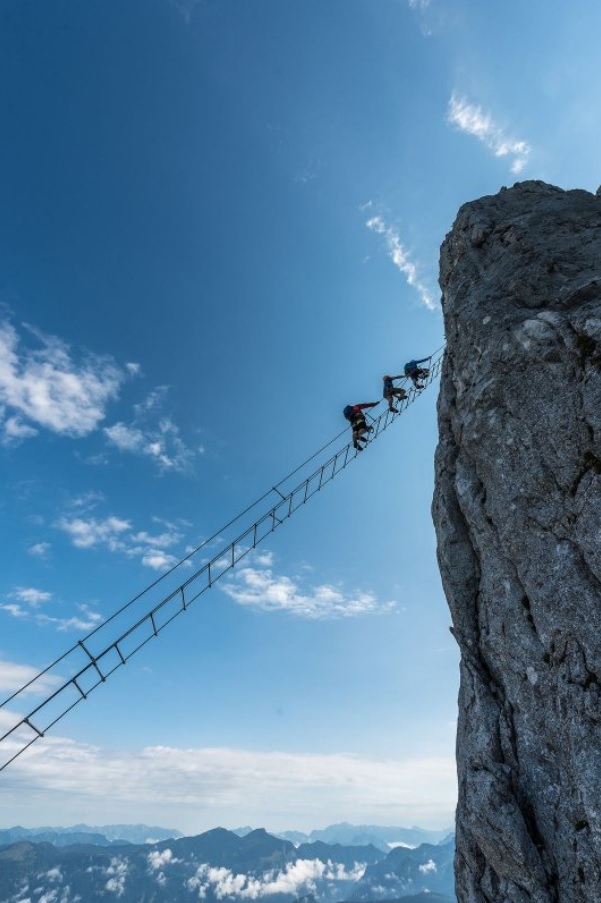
{"x":517,"y":510}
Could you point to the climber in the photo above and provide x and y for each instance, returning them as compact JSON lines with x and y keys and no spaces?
{"x":354,"y":414}
{"x":390,"y":392}
{"x":415,"y":372}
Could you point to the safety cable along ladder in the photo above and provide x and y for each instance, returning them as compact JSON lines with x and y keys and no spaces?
{"x":94,"y":658}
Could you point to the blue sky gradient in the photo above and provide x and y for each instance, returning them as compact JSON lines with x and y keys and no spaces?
{"x":221,"y":224}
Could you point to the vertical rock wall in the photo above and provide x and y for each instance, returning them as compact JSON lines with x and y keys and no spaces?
{"x":517,"y":509}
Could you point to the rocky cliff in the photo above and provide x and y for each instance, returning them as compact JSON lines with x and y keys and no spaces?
{"x":517,"y":510}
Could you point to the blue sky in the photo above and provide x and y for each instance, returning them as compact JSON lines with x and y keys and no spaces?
{"x":221,"y":224}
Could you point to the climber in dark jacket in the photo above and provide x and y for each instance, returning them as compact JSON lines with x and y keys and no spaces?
{"x":415,"y":372}
{"x":354,"y":414}
{"x":390,"y":392}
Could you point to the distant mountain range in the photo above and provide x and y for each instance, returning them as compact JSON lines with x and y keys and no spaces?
{"x":384,"y":838}
{"x":102,"y":836}
{"x":216,"y":866}
{"x":360,"y":835}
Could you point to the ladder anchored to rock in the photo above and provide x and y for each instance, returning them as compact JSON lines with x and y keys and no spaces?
{"x":99,"y":654}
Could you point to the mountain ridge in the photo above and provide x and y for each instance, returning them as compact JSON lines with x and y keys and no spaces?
{"x":220,"y":865}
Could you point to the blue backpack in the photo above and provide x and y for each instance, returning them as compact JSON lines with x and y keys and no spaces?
{"x":349,"y":412}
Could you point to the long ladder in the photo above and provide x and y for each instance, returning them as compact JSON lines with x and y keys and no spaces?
{"x":93,"y":659}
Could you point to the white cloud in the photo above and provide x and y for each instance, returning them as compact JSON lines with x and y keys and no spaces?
{"x":421,"y":7}
{"x":86,"y":501}
{"x":158,"y":560}
{"x":160,"y":440}
{"x":116,"y":873}
{"x":66,"y":780}
{"x":162,"y":541}
{"x":400,"y":258}
{"x":295,"y":878}
{"x":92,"y":532}
{"x":260,"y":588}
{"x":86,"y":621}
{"x":46,"y":388}
{"x":30,"y":596}
{"x":13,"y":676}
{"x":263,"y":559}
{"x":39,"y":549}
{"x":429,"y":866}
{"x":53,"y":874}
{"x":132,"y":368}
{"x":115,"y":534}
{"x":49,"y":896}
{"x":17,"y":611}
{"x":154,"y":401}
{"x":158,"y":859}
{"x":15,"y":430}
{"x":26,"y":599}
{"x":152,"y":549}
{"x":125,"y":438}
{"x":471,"y":119}
{"x":99,"y":460}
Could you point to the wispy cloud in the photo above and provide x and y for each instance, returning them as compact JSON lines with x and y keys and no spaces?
{"x":86,"y":620}
{"x":39,"y":549}
{"x":309,"y":172}
{"x":229,"y":786}
{"x":85,"y":501}
{"x":88,"y":532}
{"x":30,"y":596}
{"x":187,"y":8}
{"x":151,"y":435}
{"x":24,"y":599}
{"x":17,"y":611}
{"x":422,"y":8}
{"x":126,"y":438}
{"x":472,"y":119}
{"x":47,"y":388}
{"x":118,"y":535}
{"x":259,"y":587}
{"x":13,"y":676}
{"x":401,"y":259}
{"x":27,"y":602}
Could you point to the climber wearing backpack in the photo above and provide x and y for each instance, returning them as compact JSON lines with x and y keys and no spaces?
{"x":354,"y":414}
{"x":390,"y":392}
{"x":415,"y":372}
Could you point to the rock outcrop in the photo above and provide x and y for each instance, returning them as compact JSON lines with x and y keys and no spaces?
{"x":517,"y":509}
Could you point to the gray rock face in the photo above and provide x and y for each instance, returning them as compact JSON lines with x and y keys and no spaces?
{"x":517,"y":509}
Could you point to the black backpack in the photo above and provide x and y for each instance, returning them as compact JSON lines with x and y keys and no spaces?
{"x":349,"y":412}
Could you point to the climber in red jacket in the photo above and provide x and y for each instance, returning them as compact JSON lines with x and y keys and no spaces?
{"x":354,"y":414}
